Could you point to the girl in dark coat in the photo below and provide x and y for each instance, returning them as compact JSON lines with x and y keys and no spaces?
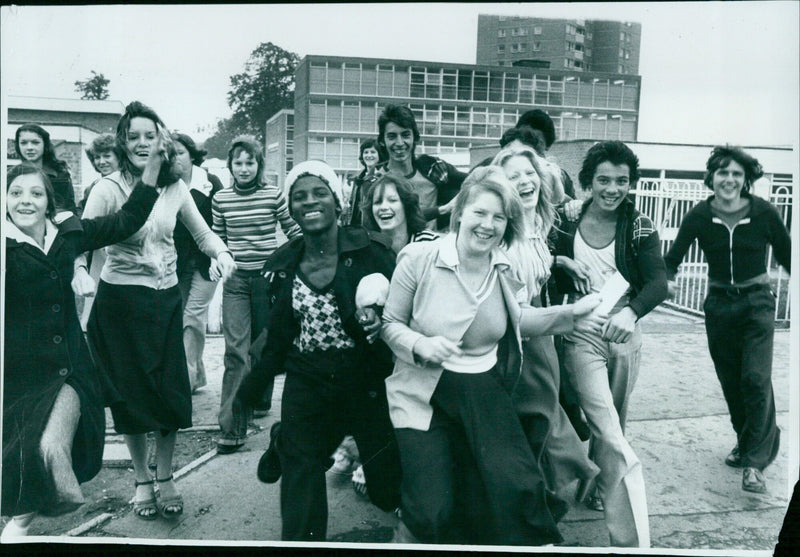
{"x":33,"y":145}
{"x":53,"y":420}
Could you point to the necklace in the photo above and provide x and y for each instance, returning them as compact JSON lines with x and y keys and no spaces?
{"x":411,"y":174}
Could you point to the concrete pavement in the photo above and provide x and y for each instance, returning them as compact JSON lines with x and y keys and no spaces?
{"x":678,"y":426}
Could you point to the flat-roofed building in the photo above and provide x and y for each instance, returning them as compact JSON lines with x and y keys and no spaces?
{"x":457,"y":106}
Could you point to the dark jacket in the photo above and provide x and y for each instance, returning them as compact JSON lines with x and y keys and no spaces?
{"x":733,"y":256}
{"x":361,"y":253}
{"x":62,"y":187}
{"x":185,"y":246}
{"x":637,"y":255}
{"x":45,"y":348}
{"x":360,"y":185}
{"x":447,"y":180}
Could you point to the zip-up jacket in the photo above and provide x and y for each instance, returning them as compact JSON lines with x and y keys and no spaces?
{"x":637,"y":253}
{"x":734,"y":254}
{"x":361,"y":253}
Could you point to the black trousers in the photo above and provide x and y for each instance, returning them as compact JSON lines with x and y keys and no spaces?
{"x":316,"y":414}
{"x":472,"y":478}
{"x":740,"y":329}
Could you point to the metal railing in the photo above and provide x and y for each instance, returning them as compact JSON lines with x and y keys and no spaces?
{"x":667,"y":201}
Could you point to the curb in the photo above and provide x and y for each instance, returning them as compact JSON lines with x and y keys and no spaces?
{"x":196,"y":463}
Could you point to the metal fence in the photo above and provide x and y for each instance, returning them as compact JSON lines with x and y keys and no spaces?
{"x":666,"y":202}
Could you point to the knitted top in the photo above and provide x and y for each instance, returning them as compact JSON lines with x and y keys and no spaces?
{"x":148,"y":258}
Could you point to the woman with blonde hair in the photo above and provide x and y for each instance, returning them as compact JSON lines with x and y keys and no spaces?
{"x":553,"y":440}
{"x":454,"y":318}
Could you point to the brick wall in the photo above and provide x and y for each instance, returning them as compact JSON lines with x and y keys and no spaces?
{"x":569,"y":156}
{"x":70,"y":153}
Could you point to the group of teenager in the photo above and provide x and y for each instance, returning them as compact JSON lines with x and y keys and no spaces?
{"x":434,"y":318}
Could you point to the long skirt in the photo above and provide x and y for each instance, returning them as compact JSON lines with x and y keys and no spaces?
{"x":136,"y":334}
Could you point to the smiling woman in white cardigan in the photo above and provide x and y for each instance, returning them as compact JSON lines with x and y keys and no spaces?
{"x":454,"y":321}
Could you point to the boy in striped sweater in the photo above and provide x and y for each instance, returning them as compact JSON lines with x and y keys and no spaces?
{"x":246,"y":217}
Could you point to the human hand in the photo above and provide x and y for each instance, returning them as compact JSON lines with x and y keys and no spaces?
{"x":158,"y":156}
{"x":213,"y":271}
{"x":82,"y":283}
{"x":585,"y":305}
{"x":578,"y":271}
{"x":225,"y":265}
{"x":447,"y":208}
{"x":620,"y":327}
{"x":592,"y":323}
{"x":435,"y":350}
{"x":672,"y":289}
{"x":370,"y":322}
{"x":572,"y":209}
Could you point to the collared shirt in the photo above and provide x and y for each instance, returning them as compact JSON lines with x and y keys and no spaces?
{"x":200,"y":181}
{"x":14,"y":233}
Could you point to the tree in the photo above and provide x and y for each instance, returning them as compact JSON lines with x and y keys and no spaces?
{"x":264,"y":87}
{"x":95,"y":87}
{"x":218,"y":144}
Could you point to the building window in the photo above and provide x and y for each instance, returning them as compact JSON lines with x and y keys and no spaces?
{"x":317,"y":78}
{"x":514,"y":32}
{"x":385,"y":80}
{"x":537,"y":45}
{"x":620,"y":68}
{"x":578,"y":64}
{"x":537,"y":30}
{"x":369,"y":117}
{"x":350,"y":116}
{"x":464,"y":85}
{"x":352,"y":79}
{"x":511,"y":88}
{"x":501,"y":48}
{"x":316,"y":115}
{"x":622,"y":36}
{"x":522,"y":32}
{"x":589,"y":36}
{"x":449,"y":84}
{"x":501,"y":33}
{"x":433,"y":84}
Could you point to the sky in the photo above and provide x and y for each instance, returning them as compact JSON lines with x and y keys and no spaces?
{"x":711,"y":72}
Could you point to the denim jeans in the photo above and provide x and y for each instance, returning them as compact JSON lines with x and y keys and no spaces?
{"x":196,"y":293}
{"x":603,"y":375}
{"x":242,"y":295}
{"x":740,"y":329}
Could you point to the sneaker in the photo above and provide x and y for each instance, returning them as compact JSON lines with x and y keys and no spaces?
{"x":224,"y":447}
{"x":269,"y":465}
{"x":753,"y":480}
{"x":734,"y":459}
{"x":595,"y":503}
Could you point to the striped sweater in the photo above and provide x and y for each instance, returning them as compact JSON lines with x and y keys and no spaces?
{"x":246,"y":220}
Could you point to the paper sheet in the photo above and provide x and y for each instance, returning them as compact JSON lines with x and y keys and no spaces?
{"x":615,"y":288}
